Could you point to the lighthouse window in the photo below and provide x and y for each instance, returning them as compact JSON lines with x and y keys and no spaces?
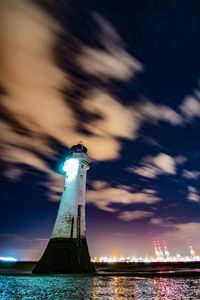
{"x":72,"y":227}
{"x":81,"y":166}
{"x":80,"y":192}
{"x":79,"y":210}
{"x":81,"y":176}
{"x":79,"y":222}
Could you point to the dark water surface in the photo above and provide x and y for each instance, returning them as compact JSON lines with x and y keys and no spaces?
{"x":97,"y":287}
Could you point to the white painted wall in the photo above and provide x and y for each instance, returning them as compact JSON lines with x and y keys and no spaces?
{"x":72,"y":196}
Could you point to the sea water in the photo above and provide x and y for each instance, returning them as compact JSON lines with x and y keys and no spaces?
{"x":97,"y":287}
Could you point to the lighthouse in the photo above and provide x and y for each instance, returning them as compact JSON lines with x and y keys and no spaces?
{"x":67,"y":250}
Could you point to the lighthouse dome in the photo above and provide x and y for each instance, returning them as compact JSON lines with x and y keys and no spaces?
{"x":79,"y":148}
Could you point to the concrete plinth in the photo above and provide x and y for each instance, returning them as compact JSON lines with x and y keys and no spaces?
{"x":65,"y":255}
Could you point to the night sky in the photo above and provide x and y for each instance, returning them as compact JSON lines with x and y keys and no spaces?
{"x":123,"y":78}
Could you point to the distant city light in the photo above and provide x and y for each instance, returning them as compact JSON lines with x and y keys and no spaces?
{"x":159,"y":256}
{"x":145,"y":259}
{"x":71,"y":167}
{"x":7,"y":258}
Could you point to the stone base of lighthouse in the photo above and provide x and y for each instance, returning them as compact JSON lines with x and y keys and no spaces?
{"x":65,"y":255}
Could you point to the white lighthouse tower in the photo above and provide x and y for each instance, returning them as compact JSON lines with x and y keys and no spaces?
{"x":67,"y":250}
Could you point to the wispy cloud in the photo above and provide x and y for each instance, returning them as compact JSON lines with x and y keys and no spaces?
{"x":52,"y":180}
{"x":180,"y":159}
{"x":128,"y":216}
{"x":156,"y":221}
{"x":193,"y":194}
{"x":191,"y":174}
{"x":108,"y":128}
{"x":151,"y":167}
{"x":183,"y":231}
{"x":167,"y":221}
{"x":103,"y":196}
{"x":151,"y":141}
{"x":157,"y":112}
{"x":190,"y":107}
{"x":177,"y":231}
{"x":111,"y":62}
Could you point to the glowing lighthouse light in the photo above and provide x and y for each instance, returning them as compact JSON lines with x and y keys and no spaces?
{"x":71,"y":168}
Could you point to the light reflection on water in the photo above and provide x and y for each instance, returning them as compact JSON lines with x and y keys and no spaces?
{"x":97,"y":287}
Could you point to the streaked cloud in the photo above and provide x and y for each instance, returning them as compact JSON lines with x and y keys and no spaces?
{"x":180,"y":159}
{"x":151,"y":167}
{"x":103,"y":196}
{"x":190,"y":107}
{"x":191,"y":174}
{"x":52,"y":180}
{"x":107,"y":129}
{"x":128,"y":216}
{"x":183,"y":231}
{"x":111,"y":62}
{"x":193,"y":194}
{"x":149,"y":140}
{"x":148,"y":171}
{"x":156,"y":221}
{"x":165,"y":163}
{"x":176,"y":231}
{"x":167,"y":221}
{"x":159,"y":112}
